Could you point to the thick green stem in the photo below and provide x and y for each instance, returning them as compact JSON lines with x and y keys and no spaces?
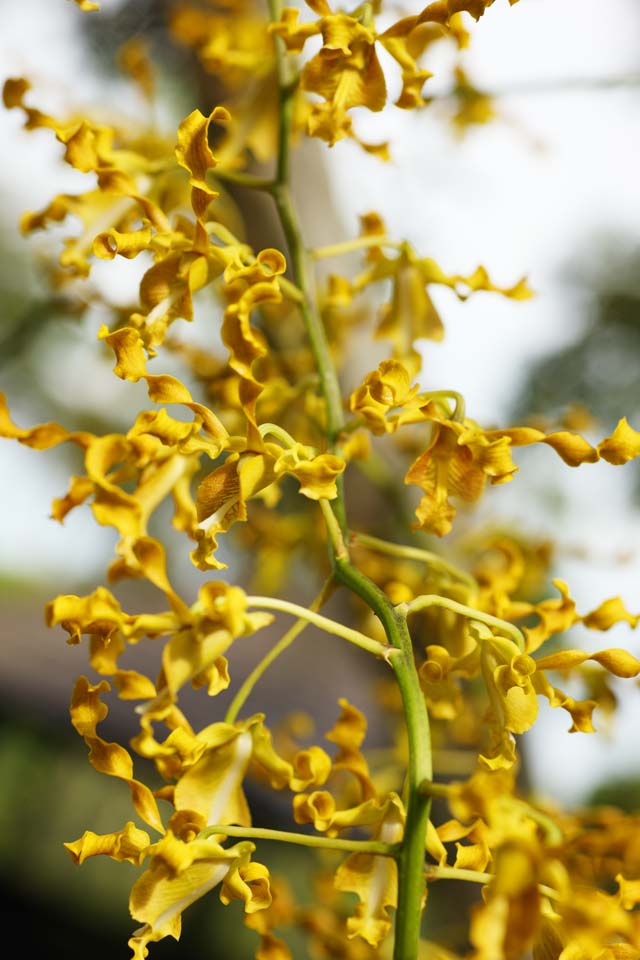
{"x":411,"y":876}
{"x":411,"y":879}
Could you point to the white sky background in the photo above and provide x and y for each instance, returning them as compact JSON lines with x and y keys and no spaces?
{"x":520,"y":196}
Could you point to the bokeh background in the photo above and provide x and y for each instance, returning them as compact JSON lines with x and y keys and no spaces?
{"x":548,"y":189}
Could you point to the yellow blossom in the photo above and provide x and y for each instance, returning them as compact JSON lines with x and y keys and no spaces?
{"x":180,"y":873}
{"x":461,"y":456}
{"x":383,"y":391}
{"x":374,"y":879}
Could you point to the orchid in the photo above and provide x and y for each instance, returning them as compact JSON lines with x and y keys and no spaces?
{"x":250,"y":442}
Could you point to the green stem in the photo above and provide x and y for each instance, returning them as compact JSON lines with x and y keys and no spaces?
{"x":435,"y":872}
{"x":459,"y":411}
{"x":411,"y":879}
{"x":273,"y":430}
{"x":411,"y":876}
{"x":383,"y":650}
{"x":285,"y":641}
{"x":298,"y":255}
{"x":415,"y":553}
{"x":304,"y":840}
{"x":351,"y":246}
{"x":433,"y":600}
{"x":430,"y":789}
{"x":334,"y":531}
{"x":310,"y":316}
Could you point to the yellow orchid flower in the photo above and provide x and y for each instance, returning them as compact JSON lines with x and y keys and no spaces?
{"x":382,"y":391}
{"x":410,"y":314}
{"x":327,"y":818}
{"x":461,"y":456}
{"x":316,"y":473}
{"x":458,"y":461}
{"x":555,"y":616}
{"x":236,"y":49}
{"x":507,"y":674}
{"x":346,"y":70}
{"x":374,"y":879}
{"x":198,"y":635}
{"x":246,"y":289}
{"x":132,"y":175}
{"x":162,"y":455}
{"x":442,"y":692}
{"x":180,"y":873}
{"x":222,"y":495}
{"x":348,"y":732}
{"x":210,"y":766}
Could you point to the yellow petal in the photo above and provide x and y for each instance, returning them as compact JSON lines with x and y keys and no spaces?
{"x":42,"y":437}
{"x":180,"y":873}
{"x":628,"y":892}
{"x":133,"y":58}
{"x":87,"y":711}
{"x":112,"y":243}
{"x":609,"y":612}
{"x":317,"y":808}
{"x":374,"y":879}
{"x":213,"y":786}
{"x":573,"y":448}
{"x":194,"y":154}
{"x":249,"y":883}
{"x":472,"y":856}
{"x":623,"y":444}
{"x":294,"y":34}
{"x":128,"y":347}
{"x":310,"y":768}
{"x":617,"y":661}
{"x":128,"y":844}
{"x":316,"y":474}
{"x":132,"y":685}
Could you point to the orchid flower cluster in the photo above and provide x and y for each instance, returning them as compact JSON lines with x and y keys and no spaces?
{"x":465,"y":645}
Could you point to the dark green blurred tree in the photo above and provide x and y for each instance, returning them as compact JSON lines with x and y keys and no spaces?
{"x":600,"y":369}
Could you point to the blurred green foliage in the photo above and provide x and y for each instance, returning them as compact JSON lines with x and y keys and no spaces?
{"x":599,"y":369}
